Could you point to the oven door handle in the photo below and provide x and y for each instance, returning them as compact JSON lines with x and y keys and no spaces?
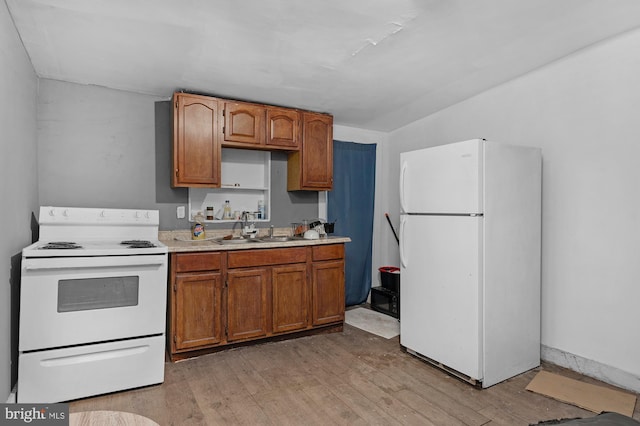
{"x":35,"y":264}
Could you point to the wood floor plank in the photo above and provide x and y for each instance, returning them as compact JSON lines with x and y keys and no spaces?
{"x":365,"y":408}
{"x":385,"y":399}
{"x":289,"y":407}
{"x":250,"y":378}
{"x":336,"y":411}
{"x":419,"y":381}
{"x":346,"y":378}
{"x":250,"y":414}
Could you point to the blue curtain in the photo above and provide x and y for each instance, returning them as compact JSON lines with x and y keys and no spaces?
{"x":350,"y":205}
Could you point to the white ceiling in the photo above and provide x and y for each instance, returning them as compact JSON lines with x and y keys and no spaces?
{"x":374,"y":64}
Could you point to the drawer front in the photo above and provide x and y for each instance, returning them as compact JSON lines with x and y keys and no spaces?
{"x":266,"y":257}
{"x":328,"y":252}
{"x":192,"y":262}
{"x":80,"y":371}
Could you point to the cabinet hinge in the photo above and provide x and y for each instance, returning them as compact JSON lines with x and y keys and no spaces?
{"x":176,"y":172}
{"x":175,"y":287}
{"x":223,"y":130}
{"x":176,"y":103}
{"x":175,"y":338}
{"x":226,"y":283}
{"x":226,"y":330}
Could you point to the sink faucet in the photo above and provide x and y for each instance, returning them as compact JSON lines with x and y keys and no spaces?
{"x":248,"y":230}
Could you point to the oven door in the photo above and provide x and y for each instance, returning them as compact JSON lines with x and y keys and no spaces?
{"x":78,"y":300}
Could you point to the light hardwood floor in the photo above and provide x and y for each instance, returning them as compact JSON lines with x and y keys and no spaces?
{"x":351,"y":377}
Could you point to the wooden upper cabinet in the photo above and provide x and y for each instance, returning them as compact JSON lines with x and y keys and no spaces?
{"x":312,"y":167}
{"x":283,"y":128}
{"x":244,"y":124}
{"x":202,"y":125}
{"x":196,"y":145}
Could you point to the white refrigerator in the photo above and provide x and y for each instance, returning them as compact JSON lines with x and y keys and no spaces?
{"x":470,"y":234}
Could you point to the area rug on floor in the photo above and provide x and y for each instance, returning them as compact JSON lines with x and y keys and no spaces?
{"x":373,"y":322}
{"x":109,"y":418}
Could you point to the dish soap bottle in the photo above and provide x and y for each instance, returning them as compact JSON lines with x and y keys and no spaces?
{"x":197,"y":229}
{"x":227,"y":211}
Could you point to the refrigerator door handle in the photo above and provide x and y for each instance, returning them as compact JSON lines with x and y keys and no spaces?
{"x":403,"y":260}
{"x":403,"y":171}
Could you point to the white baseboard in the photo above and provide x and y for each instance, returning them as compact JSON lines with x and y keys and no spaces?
{"x":605,"y":373}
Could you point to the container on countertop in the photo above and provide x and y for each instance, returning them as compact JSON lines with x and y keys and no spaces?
{"x":197,"y":229}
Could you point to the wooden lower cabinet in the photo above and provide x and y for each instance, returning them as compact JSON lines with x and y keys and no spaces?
{"x":198,"y":304}
{"x":195,"y":301}
{"x":328,"y":292}
{"x":290,"y":290}
{"x":247,"y":303}
{"x":225,"y":298}
{"x":327,"y":279}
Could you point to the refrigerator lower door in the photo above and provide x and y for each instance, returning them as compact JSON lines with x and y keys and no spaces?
{"x":441,"y":291}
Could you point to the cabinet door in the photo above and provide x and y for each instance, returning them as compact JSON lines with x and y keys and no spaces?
{"x":243,"y":124}
{"x":290,"y":298}
{"x":196,"y":147}
{"x":247,"y":303}
{"x":197,"y":310}
{"x":328,"y":292}
{"x":312,"y":167}
{"x":283,"y":128}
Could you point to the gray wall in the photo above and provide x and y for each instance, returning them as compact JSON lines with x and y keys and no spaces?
{"x":19,"y":192}
{"x":107,"y":148}
{"x":583,"y":112}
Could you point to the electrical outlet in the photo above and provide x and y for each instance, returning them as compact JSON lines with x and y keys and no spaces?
{"x":180,"y":212}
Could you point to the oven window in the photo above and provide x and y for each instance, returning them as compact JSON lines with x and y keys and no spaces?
{"x":97,"y":293}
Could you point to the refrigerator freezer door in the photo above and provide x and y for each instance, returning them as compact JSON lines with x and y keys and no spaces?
{"x":440,"y":314}
{"x":443,"y":179}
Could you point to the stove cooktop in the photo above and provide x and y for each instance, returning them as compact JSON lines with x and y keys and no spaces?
{"x":60,"y":245}
{"x":93,"y":248}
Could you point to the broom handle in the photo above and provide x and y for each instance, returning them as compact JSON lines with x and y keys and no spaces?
{"x":392,"y":229}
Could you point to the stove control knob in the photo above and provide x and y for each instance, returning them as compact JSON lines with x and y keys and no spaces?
{"x":147,"y":215}
{"x":103,"y":213}
{"x":52,"y":212}
{"x":65,"y":213}
{"x":138,"y":215}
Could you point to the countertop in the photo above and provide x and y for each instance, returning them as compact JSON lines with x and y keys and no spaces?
{"x":178,"y":241}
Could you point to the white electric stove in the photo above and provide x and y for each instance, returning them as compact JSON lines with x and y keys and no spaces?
{"x":92,"y":304}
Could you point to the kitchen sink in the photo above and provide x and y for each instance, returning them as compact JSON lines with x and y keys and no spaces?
{"x":278,"y":239}
{"x":237,"y":241}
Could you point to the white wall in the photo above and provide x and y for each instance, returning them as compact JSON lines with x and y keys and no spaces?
{"x":380,"y":238}
{"x":583,"y":111}
{"x":19,"y":193}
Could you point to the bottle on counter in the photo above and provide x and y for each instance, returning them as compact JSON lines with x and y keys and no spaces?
{"x":197,"y":229}
{"x":261,"y":214}
{"x":227,"y":215}
{"x":210,"y":213}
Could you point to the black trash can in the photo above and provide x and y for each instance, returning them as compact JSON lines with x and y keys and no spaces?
{"x":390,"y":278}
